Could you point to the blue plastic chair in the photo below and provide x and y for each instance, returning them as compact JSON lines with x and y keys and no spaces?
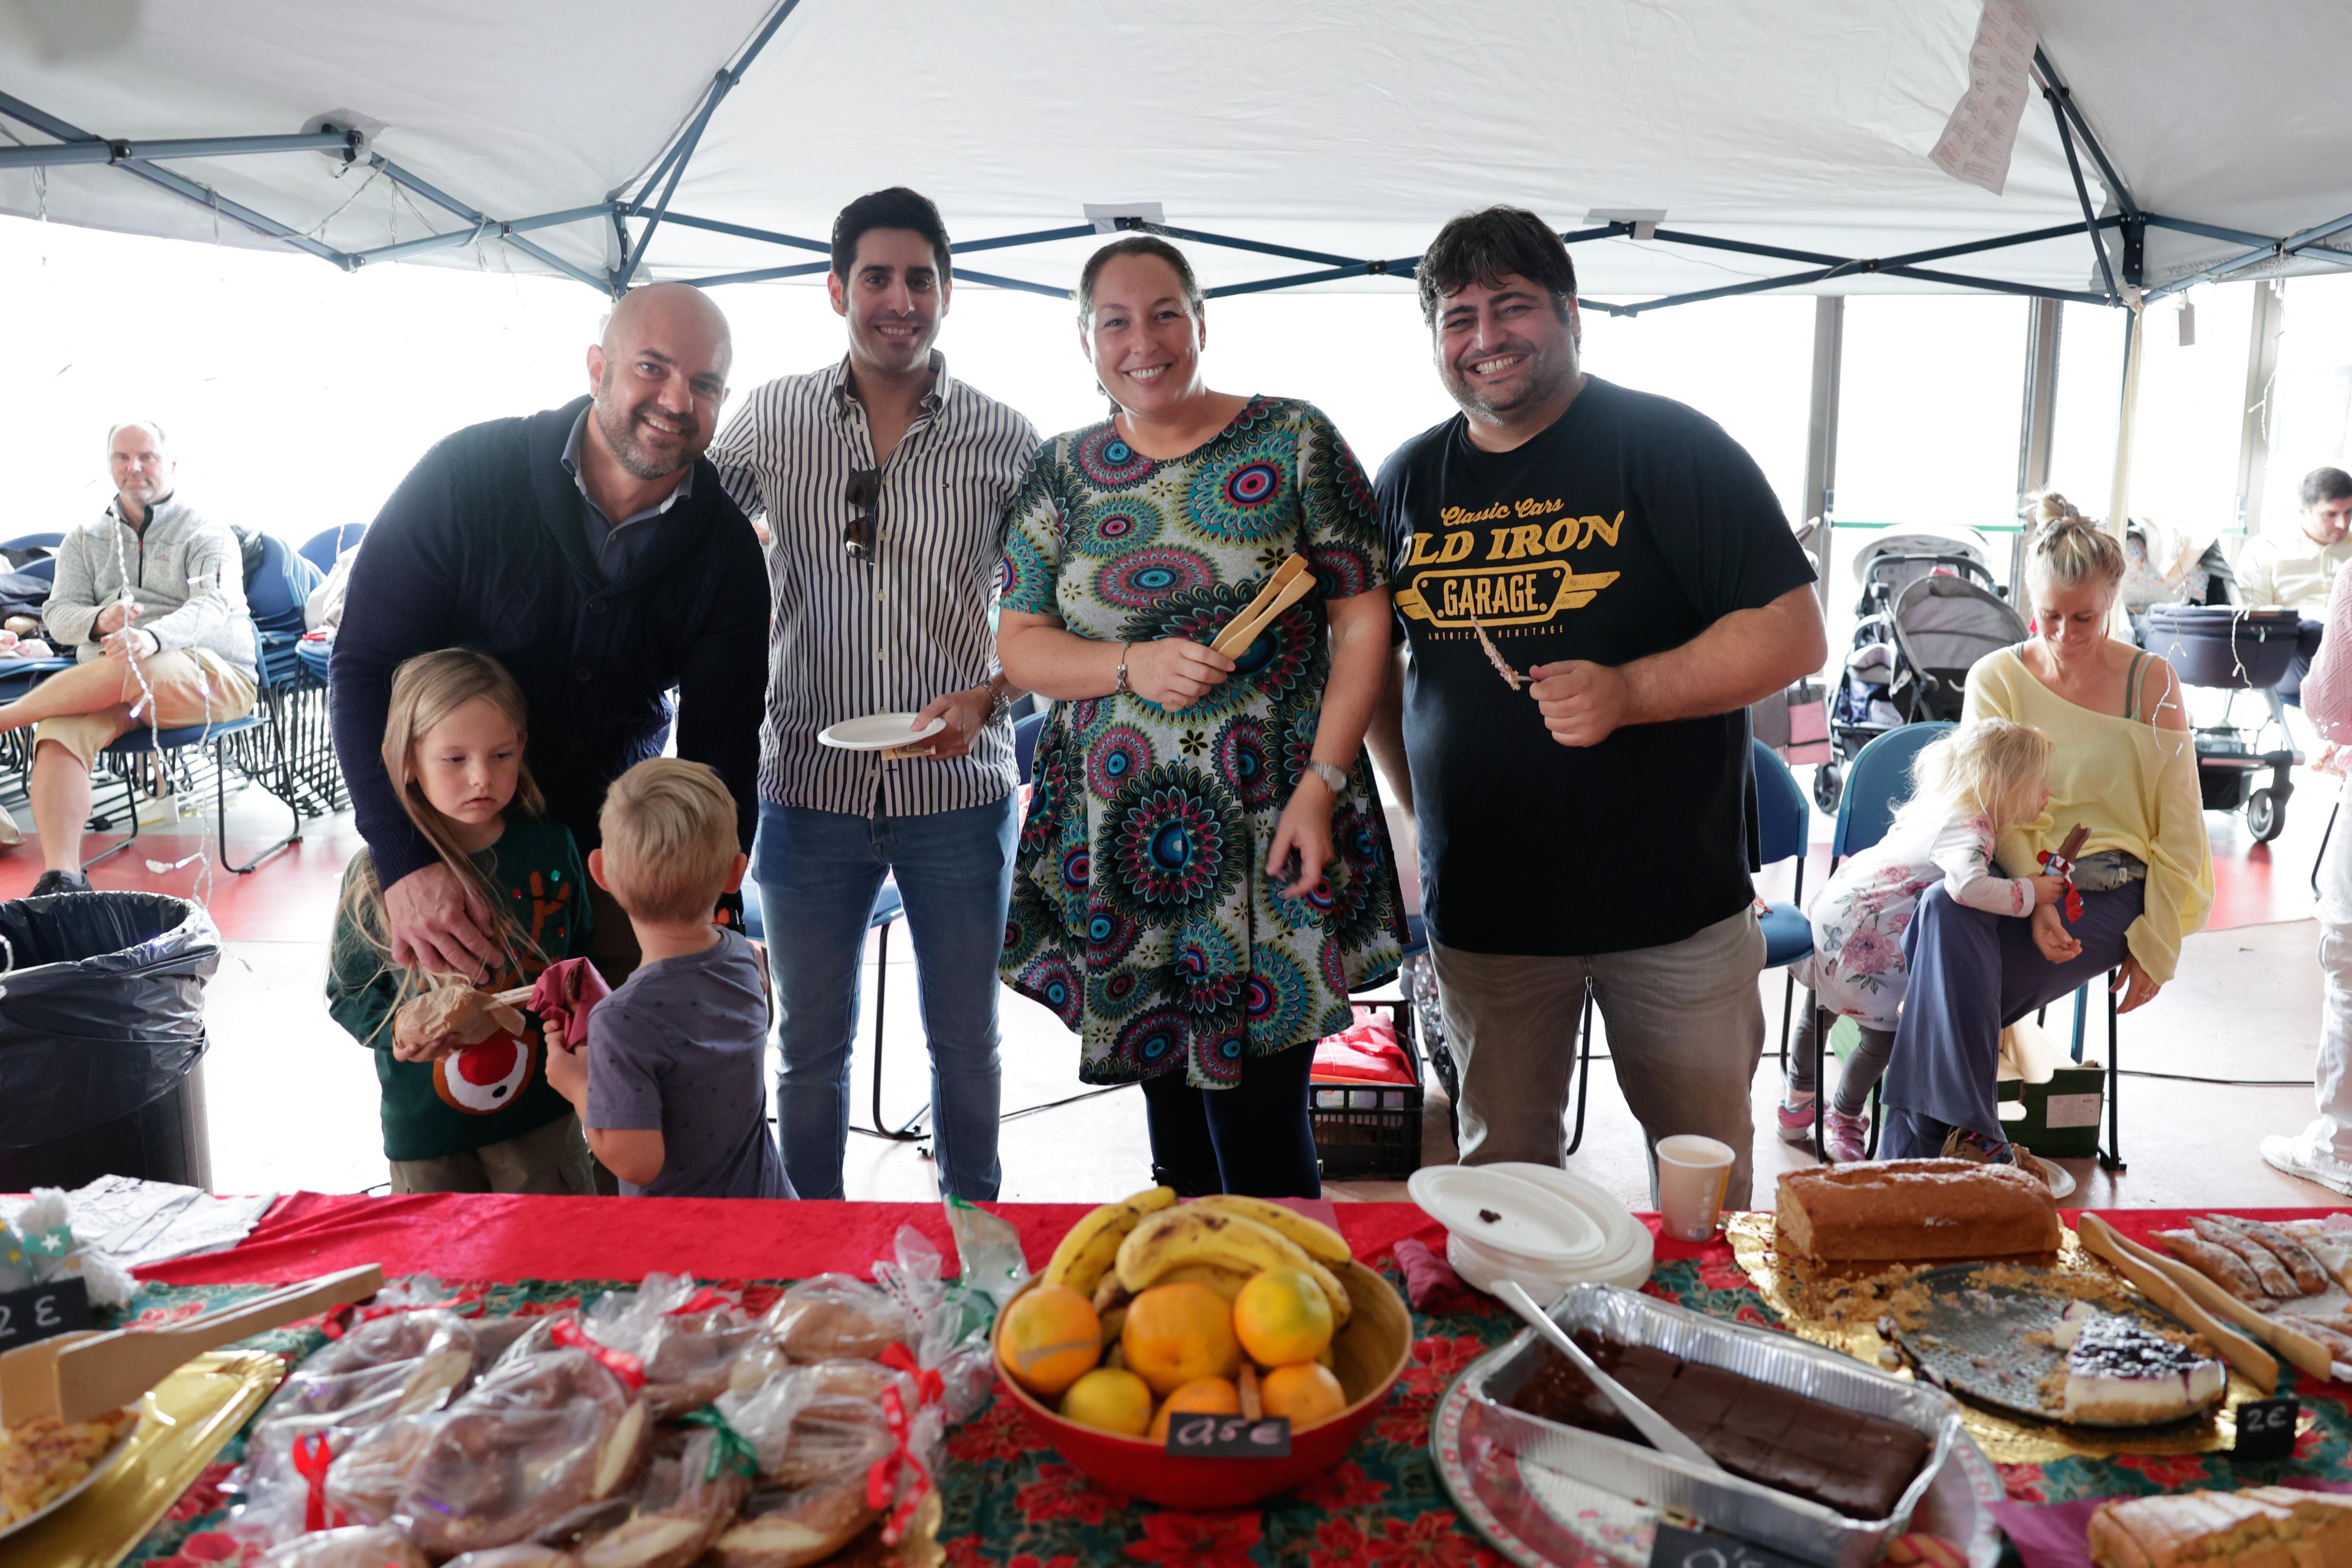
{"x":33,"y":541}
{"x":46,"y":567}
{"x":1876,"y":785}
{"x":321,"y":548}
{"x":213,"y":737}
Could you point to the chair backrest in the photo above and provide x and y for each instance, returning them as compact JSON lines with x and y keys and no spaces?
{"x":321,"y":547}
{"x":1781,"y":814}
{"x":1025,"y":743}
{"x":46,"y":567}
{"x":33,"y":541}
{"x":276,"y":589}
{"x":1878,"y":782}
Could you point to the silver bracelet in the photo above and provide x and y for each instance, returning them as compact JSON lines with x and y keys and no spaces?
{"x":1333,"y":779}
{"x":1122,"y":687}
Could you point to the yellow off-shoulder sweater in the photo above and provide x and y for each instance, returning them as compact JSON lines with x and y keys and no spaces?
{"x":2134,"y":785}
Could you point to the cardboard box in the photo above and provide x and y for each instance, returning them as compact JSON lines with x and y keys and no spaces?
{"x":2058,"y":1119}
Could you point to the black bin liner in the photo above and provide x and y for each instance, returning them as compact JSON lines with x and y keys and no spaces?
{"x":101,"y":1031}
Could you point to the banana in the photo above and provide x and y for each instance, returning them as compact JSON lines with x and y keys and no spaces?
{"x":1108,"y":1291}
{"x":1315,"y":1239}
{"x":1176,"y":1237}
{"x":1114,"y":1323}
{"x":1089,"y":1248}
{"x":1226,"y":1282}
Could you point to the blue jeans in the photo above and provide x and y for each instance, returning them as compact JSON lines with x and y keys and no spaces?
{"x":818,"y":873}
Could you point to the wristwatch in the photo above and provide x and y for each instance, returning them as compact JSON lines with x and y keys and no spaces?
{"x":1000,"y":700}
{"x":1333,"y":779}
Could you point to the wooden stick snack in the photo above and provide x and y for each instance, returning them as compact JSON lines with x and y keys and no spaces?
{"x":2307,"y":1352}
{"x":1285,"y":587}
{"x":2158,"y":1285}
{"x":1494,"y":657}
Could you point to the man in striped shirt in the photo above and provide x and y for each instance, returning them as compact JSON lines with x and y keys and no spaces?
{"x":884,"y":483}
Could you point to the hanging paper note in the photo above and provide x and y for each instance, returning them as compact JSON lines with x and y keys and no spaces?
{"x":1982,"y":130}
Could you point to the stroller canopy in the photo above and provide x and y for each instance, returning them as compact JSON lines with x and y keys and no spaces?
{"x":1943,"y":625}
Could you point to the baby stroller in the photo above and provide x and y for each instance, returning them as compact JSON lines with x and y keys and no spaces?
{"x":1930,"y":608}
{"x":2235,"y":648}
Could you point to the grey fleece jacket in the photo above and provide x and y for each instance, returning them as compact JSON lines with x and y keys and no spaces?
{"x":186,"y":575}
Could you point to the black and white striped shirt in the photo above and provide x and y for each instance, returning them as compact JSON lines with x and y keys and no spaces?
{"x":892,"y":633}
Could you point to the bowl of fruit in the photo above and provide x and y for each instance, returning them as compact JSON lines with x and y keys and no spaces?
{"x":1153,"y":1310}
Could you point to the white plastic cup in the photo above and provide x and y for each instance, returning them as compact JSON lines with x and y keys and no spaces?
{"x":1692,"y":1174}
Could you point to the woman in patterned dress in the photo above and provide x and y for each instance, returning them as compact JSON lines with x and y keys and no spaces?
{"x":1204,"y":874}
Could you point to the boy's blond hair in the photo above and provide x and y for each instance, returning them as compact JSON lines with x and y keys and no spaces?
{"x":669,"y":840}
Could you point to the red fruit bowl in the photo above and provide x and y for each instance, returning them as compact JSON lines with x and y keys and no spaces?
{"x":1368,"y":1355}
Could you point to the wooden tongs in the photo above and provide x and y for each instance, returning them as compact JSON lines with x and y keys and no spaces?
{"x":81,"y":1376}
{"x":1285,"y":587}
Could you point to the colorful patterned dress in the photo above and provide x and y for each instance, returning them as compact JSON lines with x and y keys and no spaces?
{"x":1141,"y":912}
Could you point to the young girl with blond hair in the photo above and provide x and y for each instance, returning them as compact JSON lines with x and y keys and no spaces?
{"x":479,"y":1117}
{"x":1968,"y":787}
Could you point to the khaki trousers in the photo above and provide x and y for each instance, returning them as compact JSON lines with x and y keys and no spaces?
{"x":553,"y":1159}
{"x":1686,"y":1029}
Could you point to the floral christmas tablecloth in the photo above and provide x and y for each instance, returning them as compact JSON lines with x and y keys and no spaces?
{"x":1012,"y":1504}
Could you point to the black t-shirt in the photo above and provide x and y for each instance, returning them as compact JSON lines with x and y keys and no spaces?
{"x":1626,"y":529}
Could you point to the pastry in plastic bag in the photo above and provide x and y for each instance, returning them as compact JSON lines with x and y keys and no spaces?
{"x":539,"y":1439}
{"x":367,"y":1546}
{"x":783,"y":1528}
{"x":510,"y":1339}
{"x":364,"y":1481}
{"x":393,"y":1365}
{"x":833,"y":1317}
{"x":524,"y":1555}
{"x":693,"y":1484}
{"x":687,"y":1336}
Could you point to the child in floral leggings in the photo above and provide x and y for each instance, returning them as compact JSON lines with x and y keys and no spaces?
{"x":1966,"y":787}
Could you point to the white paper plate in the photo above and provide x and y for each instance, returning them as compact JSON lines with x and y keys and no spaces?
{"x":1507,"y":1214}
{"x":1633,"y":1249}
{"x":879,"y":732}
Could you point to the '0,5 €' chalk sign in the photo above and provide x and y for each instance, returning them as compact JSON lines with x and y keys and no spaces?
{"x":1229,"y":1438}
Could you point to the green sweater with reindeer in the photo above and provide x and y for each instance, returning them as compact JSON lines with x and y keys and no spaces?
{"x":497,"y":1090}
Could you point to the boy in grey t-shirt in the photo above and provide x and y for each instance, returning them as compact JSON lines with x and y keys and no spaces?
{"x":670,"y":1086}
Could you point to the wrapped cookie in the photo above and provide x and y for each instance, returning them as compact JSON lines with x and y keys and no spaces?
{"x":697,"y":1478}
{"x":833,"y":1317}
{"x":365,"y":1480}
{"x":687,"y":1336}
{"x":540,"y":1438}
{"x":371,"y":1546}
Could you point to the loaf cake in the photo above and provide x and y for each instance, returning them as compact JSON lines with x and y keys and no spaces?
{"x":2266,"y":1527}
{"x":1915,"y":1211}
{"x":1858,"y":1465}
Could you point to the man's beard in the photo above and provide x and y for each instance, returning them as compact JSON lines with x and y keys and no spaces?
{"x":620,"y":429}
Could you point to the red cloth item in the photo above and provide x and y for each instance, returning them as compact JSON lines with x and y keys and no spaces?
{"x":564,"y":993}
{"x":1427,"y":1275}
{"x":1365,"y":1051}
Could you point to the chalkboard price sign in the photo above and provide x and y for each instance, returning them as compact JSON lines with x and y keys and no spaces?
{"x":40,"y":1311}
{"x":2266,"y":1429}
{"x":1229,"y":1438}
{"x":1679,"y":1548}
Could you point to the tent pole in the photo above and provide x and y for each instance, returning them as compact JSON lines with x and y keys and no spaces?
{"x":2253,"y":432}
{"x":1820,"y":434}
{"x":2126,"y":424}
{"x":2037,"y":422}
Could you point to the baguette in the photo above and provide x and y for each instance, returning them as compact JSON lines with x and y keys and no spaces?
{"x":1913,"y":1210}
{"x":2223,"y":1267}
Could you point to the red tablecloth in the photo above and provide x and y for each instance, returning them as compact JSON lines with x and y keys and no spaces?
{"x":496,"y":1237}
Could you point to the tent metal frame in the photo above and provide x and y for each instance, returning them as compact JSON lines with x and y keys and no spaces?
{"x":2122,"y":275}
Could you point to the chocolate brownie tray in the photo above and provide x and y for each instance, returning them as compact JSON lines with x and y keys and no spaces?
{"x":1799,"y":1527}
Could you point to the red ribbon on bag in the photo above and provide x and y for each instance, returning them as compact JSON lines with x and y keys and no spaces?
{"x":883,"y":1477}
{"x":702,"y":1300}
{"x":466,"y":1304}
{"x":619,"y":1363}
{"x":312,"y":1455}
{"x":930,"y":1386}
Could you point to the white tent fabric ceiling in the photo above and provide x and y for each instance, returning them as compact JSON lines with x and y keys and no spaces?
{"x":1323,"y":125}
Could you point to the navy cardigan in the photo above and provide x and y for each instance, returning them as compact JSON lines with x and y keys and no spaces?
{"x":482,"y":546}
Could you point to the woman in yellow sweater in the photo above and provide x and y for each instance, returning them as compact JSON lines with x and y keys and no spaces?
{"x":2123,"y":767}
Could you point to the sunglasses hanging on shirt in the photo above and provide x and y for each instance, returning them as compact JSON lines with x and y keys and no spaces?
{"x":864,"y":496}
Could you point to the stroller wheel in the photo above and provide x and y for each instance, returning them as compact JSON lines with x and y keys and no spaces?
{"x":1829,"y":782}
{"x":2265,"y":816}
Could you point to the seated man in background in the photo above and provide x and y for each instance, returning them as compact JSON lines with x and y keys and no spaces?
{"x":151,"y":596}
{"x":2297,"y":568}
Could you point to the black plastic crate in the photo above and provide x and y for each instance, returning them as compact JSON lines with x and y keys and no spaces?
{"x":1371,"y":1130}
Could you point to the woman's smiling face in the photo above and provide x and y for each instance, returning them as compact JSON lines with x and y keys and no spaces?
{"x":2071,"y":621}
{"x":1143,"y":337}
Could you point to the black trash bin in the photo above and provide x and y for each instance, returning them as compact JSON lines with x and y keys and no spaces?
{"x":102,"y":1038}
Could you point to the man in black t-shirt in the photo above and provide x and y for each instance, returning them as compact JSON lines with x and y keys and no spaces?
{"x":1588,"y":825}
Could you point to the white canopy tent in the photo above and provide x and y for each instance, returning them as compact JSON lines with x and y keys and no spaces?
{"x":1689,"y":148}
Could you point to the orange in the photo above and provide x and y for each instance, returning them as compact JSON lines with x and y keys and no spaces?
{"x":1208,"y":1396}
{"x":1180,"y":1334}
{"x":1307,"y":1392}
{"x":1282,"y":1316}
{"x":1049,"y":1339}
{"x":1111,"y":1400}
